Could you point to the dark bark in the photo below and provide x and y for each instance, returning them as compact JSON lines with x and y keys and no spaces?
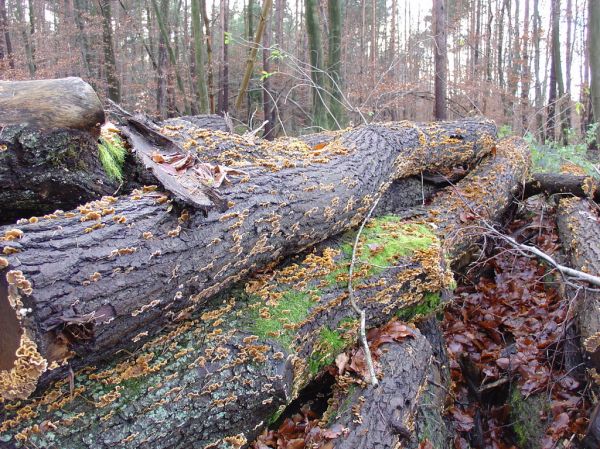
{"x":562,"y":184}
{"x":6,"y":33}
{"x":48,"y":147}
{"x":216,"y":375}
{"x":440,"y":52}
{"x":94,"y":264}
{"x":110,"y":65}
{"x":579,"y":232}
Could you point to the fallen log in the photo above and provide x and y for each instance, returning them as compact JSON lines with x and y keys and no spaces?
{"x":579,"y":228}
{"x":217,"y":377}
{"x":86,"y":282}
{"x":48,"y":147}
{"x":562,"y":184}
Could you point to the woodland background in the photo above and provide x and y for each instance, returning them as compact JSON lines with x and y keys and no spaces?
{"x":523,"y":63}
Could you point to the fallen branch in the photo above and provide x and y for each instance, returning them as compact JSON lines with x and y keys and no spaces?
{"x":358,"y":310}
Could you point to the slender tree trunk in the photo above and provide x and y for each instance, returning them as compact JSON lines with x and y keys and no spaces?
{"x":569,"y":63}
{"x":594,"y":58}
{"x":209,"y":57}
{"x":6,"y":33}
{"x":224,"y":92}
{"x":441,"y":59}
{"x":539,"y":113}
{"x":162,"y":24}
{"x":200,"y":84}
{"x":267,"y":103}
{"x":335,"y":63}
{"x":525,"y":72}
{"x":26,"y":38}
{"x":161,"y":72}
{"x":253,"y":51}
{"x":110,"y":65}
{"x":556,"y":86}
{"x":319,"y":112}
{"x":82,"y":37}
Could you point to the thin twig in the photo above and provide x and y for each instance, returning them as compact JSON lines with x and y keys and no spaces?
{"x":358,"y":310}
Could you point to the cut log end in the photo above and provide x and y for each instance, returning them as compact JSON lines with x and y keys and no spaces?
{"x":68,"y":103}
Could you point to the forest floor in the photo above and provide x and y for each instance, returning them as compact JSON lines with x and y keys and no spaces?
{"x":517,"y":379}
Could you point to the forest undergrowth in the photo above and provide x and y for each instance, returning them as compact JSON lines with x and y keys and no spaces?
{"x":518,"y":381}
{"x":517,"y":378}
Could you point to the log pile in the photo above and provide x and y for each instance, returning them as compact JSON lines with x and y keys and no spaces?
{"x":194,"y":311}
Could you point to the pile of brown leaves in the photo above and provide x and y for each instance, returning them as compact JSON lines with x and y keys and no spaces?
{"x":503,"y":331}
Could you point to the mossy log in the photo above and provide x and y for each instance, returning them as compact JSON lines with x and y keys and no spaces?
{"x":48,"y":147}
{"x":218,"y":376}
{"x":408,"y":405}
{"x":86,"y":282}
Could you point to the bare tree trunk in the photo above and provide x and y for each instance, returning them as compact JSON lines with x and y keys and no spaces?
{"x":441,"y":59}
{"x":110,"y":65}
{"x":209,"y":57}
{"x":26,"y":38}
{"x":4,"y":30}
{"x":319,"y":111}
{"x":334,"y":63}
{"x":162,"y":69}
{"x":267,"y":101}
{"x":594,"y":60}
{"x":199,"y":72}
{"x":525,"y":72}
{"x":224,"y":63}
{"x":537,"y":34}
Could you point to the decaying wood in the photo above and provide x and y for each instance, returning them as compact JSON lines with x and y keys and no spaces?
{"x":48,"y":148}
{"x":93,"y":279}
{"x":579,"y":231}
{"x":562,"y":184}
{"x":216,"y":377}
{"x":66,"y":103}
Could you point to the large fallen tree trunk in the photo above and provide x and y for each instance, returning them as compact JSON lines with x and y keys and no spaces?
{"x":48,"y":146}
{"x":215,"y":378}
{"x":579,"y":230}
{"x":87,"y":282}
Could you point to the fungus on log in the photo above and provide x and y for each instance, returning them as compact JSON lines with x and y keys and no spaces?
{"x":92,"y":279}
{"x":48,"y":146}
{"x":217,"y":376}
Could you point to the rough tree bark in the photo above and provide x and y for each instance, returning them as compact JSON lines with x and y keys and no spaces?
{"x":215,"y":377}
{"x":89,"y":268}
{"x":579,"y":229}
{"x":562,"y":184}
{"x":48,"y":147}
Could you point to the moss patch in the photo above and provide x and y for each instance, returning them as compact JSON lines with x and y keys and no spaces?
{"x":329,"y":345}
{"x":111,"y":152}
{"x":292,"y":308}
{"x":528,"y":424}
{"x":428,"y":305}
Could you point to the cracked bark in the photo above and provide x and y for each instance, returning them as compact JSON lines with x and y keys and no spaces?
{"x":211,"y":379}
{"x":115,"y":268}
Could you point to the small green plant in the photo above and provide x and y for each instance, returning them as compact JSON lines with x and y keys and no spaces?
{"x":111,"y":152}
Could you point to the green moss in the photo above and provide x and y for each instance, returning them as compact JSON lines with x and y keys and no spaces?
{"x":428,"y":305}
{"x":528,"y":424}
{"x":111,"y":152}
{"x":292,"y":308}
{"x":329,"y":345}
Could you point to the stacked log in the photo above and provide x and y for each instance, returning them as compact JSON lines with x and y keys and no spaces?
{"x":215,"y":376}
{"x":88,"y":282}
